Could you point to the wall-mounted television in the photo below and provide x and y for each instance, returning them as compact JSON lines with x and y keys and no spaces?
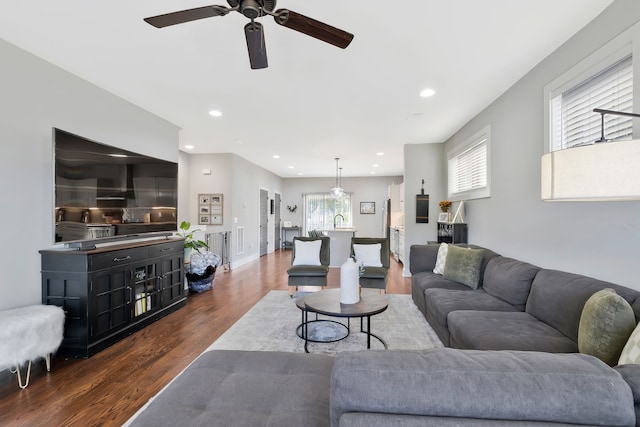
{"x":105,"y":193}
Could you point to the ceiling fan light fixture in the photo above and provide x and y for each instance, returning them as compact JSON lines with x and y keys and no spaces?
{"x":251,"y":9}
{"x":254,"y":9}
{"x":256,"y":45}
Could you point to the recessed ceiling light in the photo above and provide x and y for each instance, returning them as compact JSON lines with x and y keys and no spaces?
{"x":375,"y":165}
{"x":215,"y":113}
{"x":189,"y":147}
{"x":372,"y":173}
{"x":300,"y":174}
{"x":290,"y":167}
{"x":275,"y":156}
{"x":427,"y":93}
{"x":380,"y":154}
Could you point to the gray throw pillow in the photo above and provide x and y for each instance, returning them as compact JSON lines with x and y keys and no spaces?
{"x":463,"y":265}
{"x":606,"y":323}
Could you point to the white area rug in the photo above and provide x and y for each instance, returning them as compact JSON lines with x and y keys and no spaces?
{"x":271,"y":326}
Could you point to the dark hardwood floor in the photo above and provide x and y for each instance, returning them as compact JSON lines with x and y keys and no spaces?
{"x":109,"y":387}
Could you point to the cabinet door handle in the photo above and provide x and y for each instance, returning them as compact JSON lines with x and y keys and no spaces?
{"x":165,"y":249}
{"x":116,"y":259}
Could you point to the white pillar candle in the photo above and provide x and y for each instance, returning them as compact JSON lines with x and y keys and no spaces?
{"x":349,"y":282}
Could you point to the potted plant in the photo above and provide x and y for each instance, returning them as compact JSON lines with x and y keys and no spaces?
{"x":189,"y":242}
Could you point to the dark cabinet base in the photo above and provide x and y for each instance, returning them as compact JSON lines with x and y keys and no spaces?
{"x":109,"y":293}
{"x":452,"y":233}
{"x":90,"y":350}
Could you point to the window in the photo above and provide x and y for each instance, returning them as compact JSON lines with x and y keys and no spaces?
{"x":469,"y":168}
{"x":320,"y":210}
{"x":573,"y":121}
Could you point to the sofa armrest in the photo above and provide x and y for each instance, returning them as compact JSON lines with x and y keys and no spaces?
{"x":631,"y":374}
{"x":491,"y":385}
{"x":423,"y":257}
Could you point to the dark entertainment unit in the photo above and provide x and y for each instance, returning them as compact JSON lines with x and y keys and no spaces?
{"x":112,"y":291}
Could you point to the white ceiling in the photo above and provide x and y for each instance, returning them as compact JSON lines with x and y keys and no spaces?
{"x":315,"y":102}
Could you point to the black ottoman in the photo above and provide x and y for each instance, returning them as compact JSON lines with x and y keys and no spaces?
{"x":245,"y":388}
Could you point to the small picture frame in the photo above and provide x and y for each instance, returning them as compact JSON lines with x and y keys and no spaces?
{"x":210,"y":209}
{"x":367,"y":208}
{"x":443,"y":217}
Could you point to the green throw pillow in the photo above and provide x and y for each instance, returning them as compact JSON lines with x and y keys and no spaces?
{"x":606,"y":323}
{"x":463,"y":265}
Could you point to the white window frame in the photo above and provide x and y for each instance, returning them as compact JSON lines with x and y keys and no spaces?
{"x":627,"y":43}
{"x":482,"y":137}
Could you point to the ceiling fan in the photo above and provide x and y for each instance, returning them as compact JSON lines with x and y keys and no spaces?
{"x":253,"y":9}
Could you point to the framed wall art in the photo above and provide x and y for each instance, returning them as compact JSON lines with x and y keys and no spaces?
{"x":368,"y":208}
{"x":210,"y":209}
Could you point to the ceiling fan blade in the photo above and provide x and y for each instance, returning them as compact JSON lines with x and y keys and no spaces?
{"x":256,"y":45}
{"x":188,"y":15}
{"x":313,"y":28}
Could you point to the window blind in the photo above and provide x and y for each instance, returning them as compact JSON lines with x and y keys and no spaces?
{"x":468,"y":170}
{"x":573,"y":120}
{"x":321,"y":208}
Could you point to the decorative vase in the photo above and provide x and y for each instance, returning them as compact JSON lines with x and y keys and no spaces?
{"x":187,"y":254}
{"x":349,"y":282}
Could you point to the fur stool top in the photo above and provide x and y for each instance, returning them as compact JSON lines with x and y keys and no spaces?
{"x":29,"y":333}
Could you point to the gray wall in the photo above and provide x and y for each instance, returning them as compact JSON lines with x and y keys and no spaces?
{"x":599,"y":239}
{"x":37,"y":96}
{"x":422,"y":161}
{"x":366,"y":189}
{"x":240,"y":182}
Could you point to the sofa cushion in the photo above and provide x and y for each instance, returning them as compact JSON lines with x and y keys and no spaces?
{"x":463,"y":265}
{"x":245,"y":388}
{"x":307,"y":252}
{"x":606,"y":322}
{"x":505,"y":385}
{"x":441,"y":259}
{"x":429,"y":280}
{"x":423,"y":257}
{"x":441,"y":302}
{"x":495,"y":330}
{"x":510,"y":280}
{"x":631,"y":351}
{"x":557,"y":298}
{"x":368,"y":255}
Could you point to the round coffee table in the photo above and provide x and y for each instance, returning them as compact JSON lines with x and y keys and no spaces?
{"x":328,"y":303}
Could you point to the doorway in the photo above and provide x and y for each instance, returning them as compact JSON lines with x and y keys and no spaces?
{"x":276,"y":222}
{"x":264,"y":220}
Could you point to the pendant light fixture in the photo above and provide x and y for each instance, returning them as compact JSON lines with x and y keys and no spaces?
{"x":337,"y":191}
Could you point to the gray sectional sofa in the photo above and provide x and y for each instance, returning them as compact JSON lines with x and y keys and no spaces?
{"x":438,"y":388}
{"x":515,"y":364}
{"x":516,"y":306}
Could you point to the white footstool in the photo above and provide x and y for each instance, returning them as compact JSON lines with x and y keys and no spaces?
{"x":29,"y":333}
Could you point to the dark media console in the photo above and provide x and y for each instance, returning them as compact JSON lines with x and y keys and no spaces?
{"x":110,"y":292}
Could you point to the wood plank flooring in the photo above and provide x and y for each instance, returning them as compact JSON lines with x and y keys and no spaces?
{"x":109,"y":387}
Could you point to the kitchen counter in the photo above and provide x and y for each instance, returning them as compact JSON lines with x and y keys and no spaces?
{"x":340,"y":245}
